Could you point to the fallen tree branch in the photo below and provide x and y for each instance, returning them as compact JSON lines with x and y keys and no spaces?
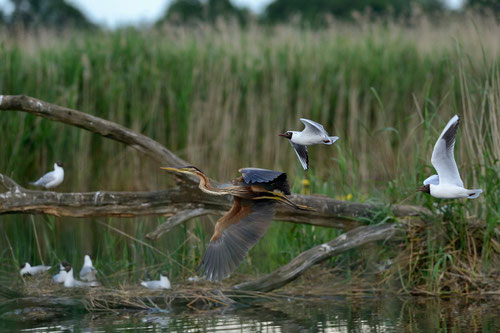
{"x":181,"y":217}
{"x":317,"y":254}
{"x":93,"y":124}
{"x":180,"y":200}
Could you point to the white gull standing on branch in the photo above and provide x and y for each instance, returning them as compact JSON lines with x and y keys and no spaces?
{"x":52,"y":178}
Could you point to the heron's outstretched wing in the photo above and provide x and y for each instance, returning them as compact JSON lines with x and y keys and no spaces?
{"x":257,"y":175}
{"x":301,"y":152}
{"x":442,"y":155}
{"x":273,"y":180}
{"x":236,"y":233}
{"x":313,"y":128}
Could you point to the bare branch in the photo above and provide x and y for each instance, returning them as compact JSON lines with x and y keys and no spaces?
{"x":181,"y":217}
{"x":317,"y":254}
{"x":93,"y":124}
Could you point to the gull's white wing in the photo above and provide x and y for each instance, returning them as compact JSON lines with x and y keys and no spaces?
{"x":45,"y":179}
{"x":85,"y":284}
{"x":301,"y":152}
{"x":39,"y":269}
{"x":59,"y":277}
{"x":152,"y":284}
{"x":88,"y":273}
{"x":442,"y":155}
{"x":313,"y":128}
{"x":434,"y":180}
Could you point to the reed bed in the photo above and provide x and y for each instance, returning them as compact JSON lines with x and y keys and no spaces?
{"x":218,"y":97}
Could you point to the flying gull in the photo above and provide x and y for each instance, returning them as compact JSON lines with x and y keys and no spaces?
{"x":447,"y":184}
{"x":312,"y":134}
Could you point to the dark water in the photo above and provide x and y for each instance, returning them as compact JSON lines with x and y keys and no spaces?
{"x":385,"y":314}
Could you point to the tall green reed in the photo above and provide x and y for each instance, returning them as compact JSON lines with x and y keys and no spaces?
{"x":219,"y":96}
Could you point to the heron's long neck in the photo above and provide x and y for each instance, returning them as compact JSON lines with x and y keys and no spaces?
{"x":206,"y":187}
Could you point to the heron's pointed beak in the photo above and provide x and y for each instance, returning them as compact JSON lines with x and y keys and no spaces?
{"x":173,"y":169}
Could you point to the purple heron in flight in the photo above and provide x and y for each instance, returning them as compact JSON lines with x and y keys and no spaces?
{"x":254,"y":194}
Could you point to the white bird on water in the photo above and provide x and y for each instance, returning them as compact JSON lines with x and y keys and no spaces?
{"x":447,"y":184}
{"x":53,"y":178}
{"x":70,"y":282}
{"x":312,"y":134}
{"x":27,"y":269}
{"x":163,"y":283}
{"x":88,"y":272}
{"x":61,"y":276}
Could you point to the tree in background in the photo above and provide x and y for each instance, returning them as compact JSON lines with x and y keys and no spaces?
{"x":493,"y":5}
{"x":185,"y":11}
{"x":313,"y":11}
{"x":50,"y":14}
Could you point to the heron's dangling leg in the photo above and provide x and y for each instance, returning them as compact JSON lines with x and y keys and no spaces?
{"x":286,"y":201}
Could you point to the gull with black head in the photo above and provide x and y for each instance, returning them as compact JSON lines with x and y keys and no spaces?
{"x":71,"y":282}
{"x":53,"y":178}
{"x":61,"y":276}
{"x":447,"y":184}
{"x":312,"y":134}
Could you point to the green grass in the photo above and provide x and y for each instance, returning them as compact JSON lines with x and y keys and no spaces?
{"x":223,"y":95}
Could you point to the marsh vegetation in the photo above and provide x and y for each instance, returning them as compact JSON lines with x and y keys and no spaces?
{"x":219,"y":96}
